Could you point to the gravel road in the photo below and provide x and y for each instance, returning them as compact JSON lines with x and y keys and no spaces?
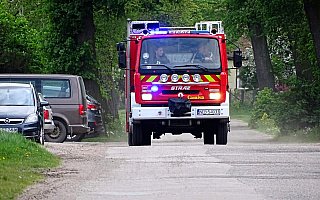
{"x":251,"y":166}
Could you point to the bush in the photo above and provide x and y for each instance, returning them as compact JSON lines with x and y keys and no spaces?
{"x":292,"y":111}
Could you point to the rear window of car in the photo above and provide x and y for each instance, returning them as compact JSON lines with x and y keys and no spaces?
{"x":13,"y":96}
{"x":55,"y":88}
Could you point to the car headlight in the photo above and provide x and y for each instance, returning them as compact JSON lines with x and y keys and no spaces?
{"x":174,"y":78}
{"x":146,"y":97}
{"x":164,"y":78}
{"x":214,"y":96}
{"x":196,"y":78}
{"x":185,"y":78}
{"x":32,"y":118}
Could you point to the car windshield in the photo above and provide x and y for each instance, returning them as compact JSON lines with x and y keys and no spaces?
{"x":176,"y":52}
{"x":12,"y":96}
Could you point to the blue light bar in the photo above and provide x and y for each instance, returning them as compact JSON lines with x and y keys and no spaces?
{"x":197,"y":32}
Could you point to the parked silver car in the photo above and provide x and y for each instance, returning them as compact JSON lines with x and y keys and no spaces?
{"x":48,"y":117}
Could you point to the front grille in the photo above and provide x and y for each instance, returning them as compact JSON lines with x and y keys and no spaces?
{"x":11,"y":121}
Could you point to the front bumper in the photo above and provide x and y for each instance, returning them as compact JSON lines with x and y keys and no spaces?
{"x":146,"y":113}
{"x":27,"y":130}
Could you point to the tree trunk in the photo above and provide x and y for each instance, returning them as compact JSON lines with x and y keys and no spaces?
{"x":301,"y":63}
{"x":262,"y":58}
{"x":87,"y":35}
{"x":312,"y":9}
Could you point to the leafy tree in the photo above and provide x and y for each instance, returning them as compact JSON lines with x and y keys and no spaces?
{"x":245,"y":17}
{"x":312,"y":8}
{"x":17,"y":42}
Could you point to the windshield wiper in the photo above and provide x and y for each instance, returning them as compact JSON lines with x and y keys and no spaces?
{"x":193,"y":65}
{"x":160,"y":65}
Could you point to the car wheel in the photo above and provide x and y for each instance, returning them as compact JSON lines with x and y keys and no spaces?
{"x":59,"y":133}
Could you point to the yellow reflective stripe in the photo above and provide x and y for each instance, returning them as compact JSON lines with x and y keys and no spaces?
{"x":210,"y":79}
{"x":151,"y":78}
{"x":142,"y":77}
{"x":218,"y":77}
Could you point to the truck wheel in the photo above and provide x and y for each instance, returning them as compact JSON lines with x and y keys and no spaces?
{"x":59,"y":133}
{"x":146,"y":140}
{"x":130,"y":143}
{"x":222,"y":135}
{"x":136,"y":135}
{"x":140,"y":136}
{"x":208,"y":137}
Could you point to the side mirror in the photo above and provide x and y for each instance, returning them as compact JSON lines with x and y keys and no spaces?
{"x":120,"y":46}
{"x":121,"y":55}
{"x":237,"y":59}
{"x":122,"y":59}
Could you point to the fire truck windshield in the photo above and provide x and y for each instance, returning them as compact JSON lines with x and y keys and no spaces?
{"x":174,"y":52}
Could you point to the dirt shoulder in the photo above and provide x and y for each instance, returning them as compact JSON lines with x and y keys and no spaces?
{"x":77,"y":165}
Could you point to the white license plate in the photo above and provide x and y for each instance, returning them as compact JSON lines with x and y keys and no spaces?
{"x":208,"y":112}
{"x":9,"y":129}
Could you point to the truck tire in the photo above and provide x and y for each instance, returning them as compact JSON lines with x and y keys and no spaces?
{"x":208,"y":137}
{"x":130,"y":143}
{"x":136,"y":135}
{"x":59,"y":133}
{"x":222,"y":135}
{"x":140,"y":136}
{"x":146,"y":140}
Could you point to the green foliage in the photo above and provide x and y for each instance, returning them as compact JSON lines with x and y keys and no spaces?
{"x":64,"y":54}
{"x":17,"y":42}
{"x":19,"y":160}
{"x":116,"y":131}
{"x":291,"y":111}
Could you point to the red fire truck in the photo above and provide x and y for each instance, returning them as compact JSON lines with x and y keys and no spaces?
{"x":176,"y":81}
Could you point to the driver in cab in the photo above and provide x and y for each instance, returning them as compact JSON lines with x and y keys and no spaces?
{"x":203,"y":54}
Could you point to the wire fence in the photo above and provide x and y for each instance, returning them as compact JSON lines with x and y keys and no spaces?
{"x":242,"y":96}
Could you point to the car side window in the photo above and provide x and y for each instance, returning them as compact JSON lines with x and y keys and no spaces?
{"x":56,"y":88}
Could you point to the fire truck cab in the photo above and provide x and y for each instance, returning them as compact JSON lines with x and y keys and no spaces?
{"x":176,"y":81}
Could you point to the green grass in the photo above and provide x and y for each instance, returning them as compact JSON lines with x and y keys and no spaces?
{"x":21,"y":160}
{"x":240,"y":112}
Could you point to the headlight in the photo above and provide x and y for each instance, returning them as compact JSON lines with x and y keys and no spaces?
{"x":185,"y":78}
{"x":196,"y":78}
{"x":174,"y":78}
{"x":164,"y":78}
{"x":146,"y":97}
{"x":32,"y":118}
{"x":214,"y":96}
